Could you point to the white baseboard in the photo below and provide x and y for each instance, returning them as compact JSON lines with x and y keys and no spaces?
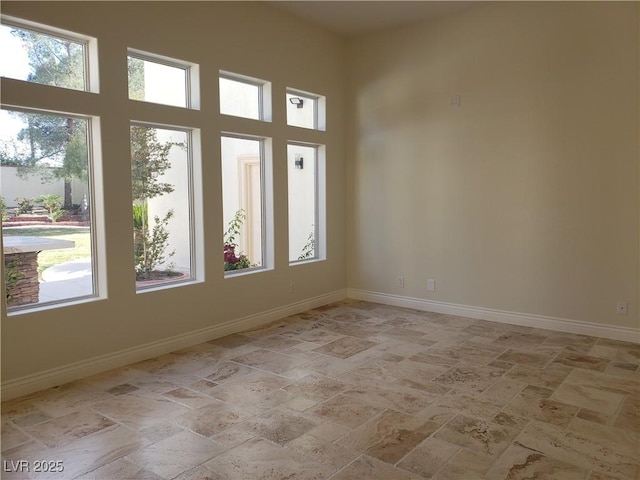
{"x":74,"y":371}
{"x":537,"y":321}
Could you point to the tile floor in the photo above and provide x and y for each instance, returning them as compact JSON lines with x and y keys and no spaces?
{"x":352,"y":390}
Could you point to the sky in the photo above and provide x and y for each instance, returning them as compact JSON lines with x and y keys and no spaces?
{"x":14,"y":63}
{"x":13,"y":57}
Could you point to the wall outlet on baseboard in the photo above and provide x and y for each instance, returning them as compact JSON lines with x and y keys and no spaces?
{"x":431,"y":285}
{"x":401,"y":281}
{"x":622,"y":308}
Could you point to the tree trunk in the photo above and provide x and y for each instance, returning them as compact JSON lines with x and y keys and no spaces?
{"x":68,"y":202}
{"x":67,"y":181}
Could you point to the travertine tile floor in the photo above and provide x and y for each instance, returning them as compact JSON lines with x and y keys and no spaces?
{"x":352,"y":390}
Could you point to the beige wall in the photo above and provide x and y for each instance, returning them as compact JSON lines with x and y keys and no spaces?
{"x":248,"y":38}
{"x":524,"y":198}
{"x":13,"y":186}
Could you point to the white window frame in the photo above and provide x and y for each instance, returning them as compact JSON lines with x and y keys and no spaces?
{"x":264,"y":94}
{"x":194,"y":192}
{"x":320,"y":102}
{"x":266,"y":202}
{"x":192,"y":76}
{"x":320,"y":251}
{"x":90,"y":44}
{"x":97,"y":220}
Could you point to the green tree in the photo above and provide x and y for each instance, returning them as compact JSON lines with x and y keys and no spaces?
{"x":149,"y":161}
{"x":135,"y":68}
{"x":53,"y":61}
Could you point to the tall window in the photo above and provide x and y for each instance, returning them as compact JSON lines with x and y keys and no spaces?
{"x":304,"y":174}
{"x":162,"y":205}
{"x":243,"y":201}
{"x":47,"y":207}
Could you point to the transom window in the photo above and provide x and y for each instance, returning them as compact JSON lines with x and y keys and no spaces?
{"x":305,"y":110}
{"x":245,"y":97}
{"x":46,"y":55}
{"x":157,"y":79}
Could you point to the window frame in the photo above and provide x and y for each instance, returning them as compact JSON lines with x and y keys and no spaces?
{"x":89,"y":44}
{"x":319,"y":116}
{"x":96,"y":219}
{"x":266,"y":202}
{"x":194,"y":234}
{"x":264,"y":94}
{"x":191,"y":78}
{"x":320,"y":203}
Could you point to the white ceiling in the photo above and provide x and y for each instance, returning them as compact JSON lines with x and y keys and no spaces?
{"x":357,"y":17}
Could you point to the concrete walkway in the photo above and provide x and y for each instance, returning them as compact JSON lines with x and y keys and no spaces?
{"x":67,"y":280}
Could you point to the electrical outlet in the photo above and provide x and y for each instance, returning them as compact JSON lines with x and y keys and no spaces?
{"x":401,"y":281}
{"x":292,"y":287}
{"x":622,"y":308}
{"x":431,"y":285}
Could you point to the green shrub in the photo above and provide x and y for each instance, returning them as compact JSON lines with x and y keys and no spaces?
{"x":4,"y":211}
{"x":150,"y":245}
{"x":53,"y":205}
{"x":233,"y":261}
{"x":12,"y":275}
{"x":25,"y":205}
{"x":309,"y":248}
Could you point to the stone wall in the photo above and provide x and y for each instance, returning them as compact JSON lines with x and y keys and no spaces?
{"x":27,"y":289}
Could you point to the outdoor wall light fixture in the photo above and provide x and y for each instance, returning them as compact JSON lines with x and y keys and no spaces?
{"x":297,"y":101}
{"x":299,"y":161}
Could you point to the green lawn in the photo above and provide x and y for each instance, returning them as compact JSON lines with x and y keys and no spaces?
{"x":48,"y":258}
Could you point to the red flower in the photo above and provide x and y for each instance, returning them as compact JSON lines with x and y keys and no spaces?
{"x":230,"y":254}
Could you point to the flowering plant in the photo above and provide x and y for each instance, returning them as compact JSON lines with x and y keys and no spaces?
{"x":233,"y":261}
